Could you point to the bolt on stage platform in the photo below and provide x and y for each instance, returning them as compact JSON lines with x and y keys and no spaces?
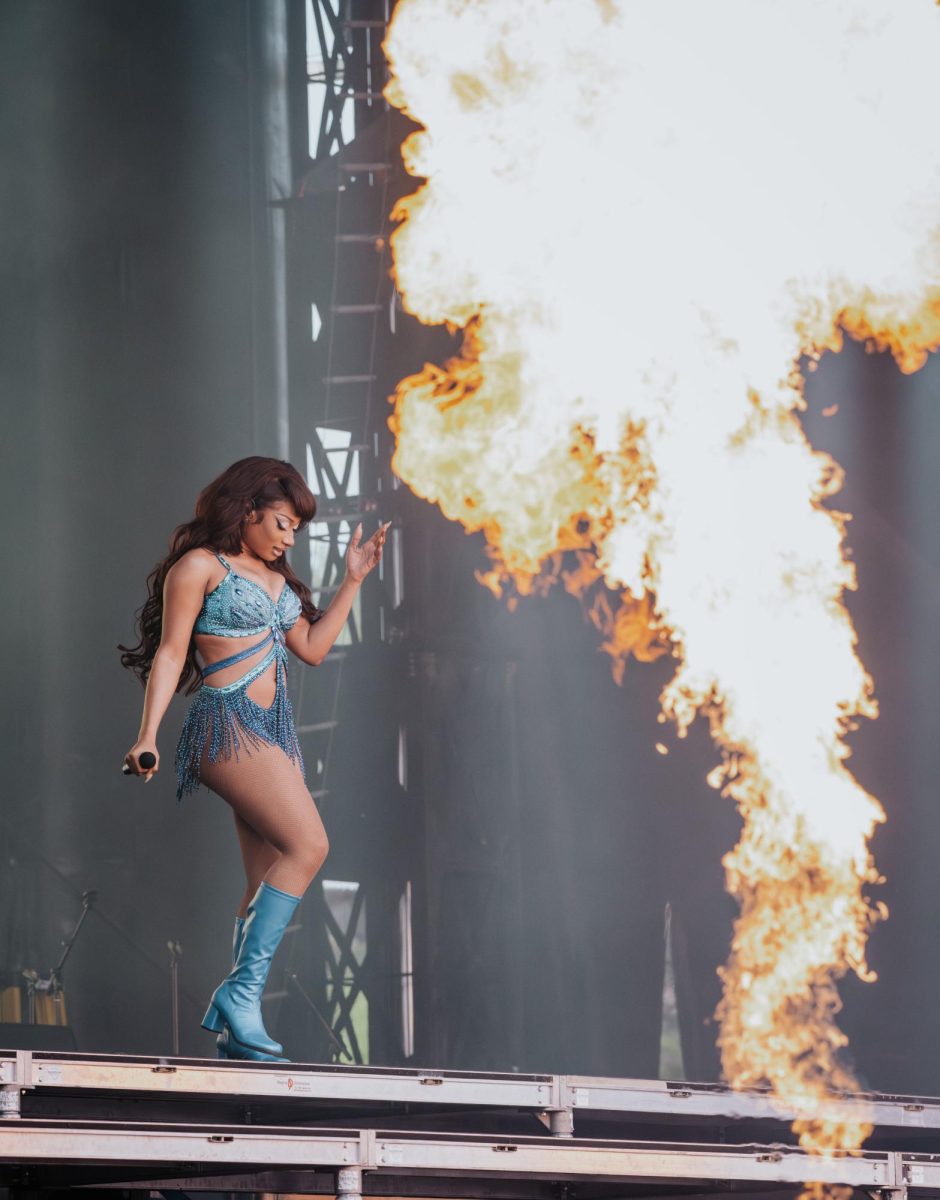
{"x":141,"y":1125}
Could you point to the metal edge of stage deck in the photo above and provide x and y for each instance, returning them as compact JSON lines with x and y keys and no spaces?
{"x":558,"y":1097}
{"x":363,"y":1159}
{"x":353,"y":1154}
{"x":25,"y":1069}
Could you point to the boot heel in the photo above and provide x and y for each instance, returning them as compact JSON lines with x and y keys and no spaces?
{"x":213,"y":1020}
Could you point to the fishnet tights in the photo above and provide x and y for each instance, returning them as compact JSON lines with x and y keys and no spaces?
{"x":281,"y":835}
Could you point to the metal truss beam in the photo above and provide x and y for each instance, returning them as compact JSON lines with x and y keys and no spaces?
{"x":341,"y":302}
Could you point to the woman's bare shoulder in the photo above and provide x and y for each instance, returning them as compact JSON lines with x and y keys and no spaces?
{"x":195,"y":567}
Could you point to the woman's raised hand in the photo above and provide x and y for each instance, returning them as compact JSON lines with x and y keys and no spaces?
{"x":361,"y":556}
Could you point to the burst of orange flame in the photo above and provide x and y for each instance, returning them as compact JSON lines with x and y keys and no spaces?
{"x":640,"y":443}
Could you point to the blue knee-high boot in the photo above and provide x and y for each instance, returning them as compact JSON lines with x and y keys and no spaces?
{"x":221,"y":1042}
{"x":225,"y":1044}
{"x":236,"y":1002}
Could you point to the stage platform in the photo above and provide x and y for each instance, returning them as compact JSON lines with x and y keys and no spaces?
{"x":145,"y":1125}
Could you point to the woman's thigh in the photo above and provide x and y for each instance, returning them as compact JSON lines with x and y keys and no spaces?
{"x":267,"y":791}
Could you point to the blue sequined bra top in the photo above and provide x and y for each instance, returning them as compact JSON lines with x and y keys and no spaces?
{"x":238,"y":607}
{"x":224,"y":720}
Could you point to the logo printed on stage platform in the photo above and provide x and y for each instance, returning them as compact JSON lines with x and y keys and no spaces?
{"x":296,"y":1085}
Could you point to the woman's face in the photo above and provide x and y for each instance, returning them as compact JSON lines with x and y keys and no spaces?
{"x":268,"y":533}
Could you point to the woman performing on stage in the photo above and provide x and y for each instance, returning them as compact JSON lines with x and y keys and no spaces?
{"x":227,"y":577}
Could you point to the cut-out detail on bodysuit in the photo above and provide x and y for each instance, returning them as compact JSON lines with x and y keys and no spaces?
{"x":223,"y":719}
{"x":232,"y":668}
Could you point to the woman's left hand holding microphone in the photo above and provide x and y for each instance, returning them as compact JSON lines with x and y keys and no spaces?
{"x":143,"y":758}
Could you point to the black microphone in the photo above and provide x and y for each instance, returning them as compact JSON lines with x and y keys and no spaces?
{"x":146,"y":760}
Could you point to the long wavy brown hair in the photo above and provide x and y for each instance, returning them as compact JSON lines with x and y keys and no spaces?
{"x":222,"y":509}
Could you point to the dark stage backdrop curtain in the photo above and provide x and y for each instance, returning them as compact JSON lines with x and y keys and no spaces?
{"x":138,"y":361}
{"x":603,"y":832}
{"x":887,"y":435}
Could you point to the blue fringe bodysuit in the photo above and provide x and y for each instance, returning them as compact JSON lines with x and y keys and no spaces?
{"x":226,"y":718}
